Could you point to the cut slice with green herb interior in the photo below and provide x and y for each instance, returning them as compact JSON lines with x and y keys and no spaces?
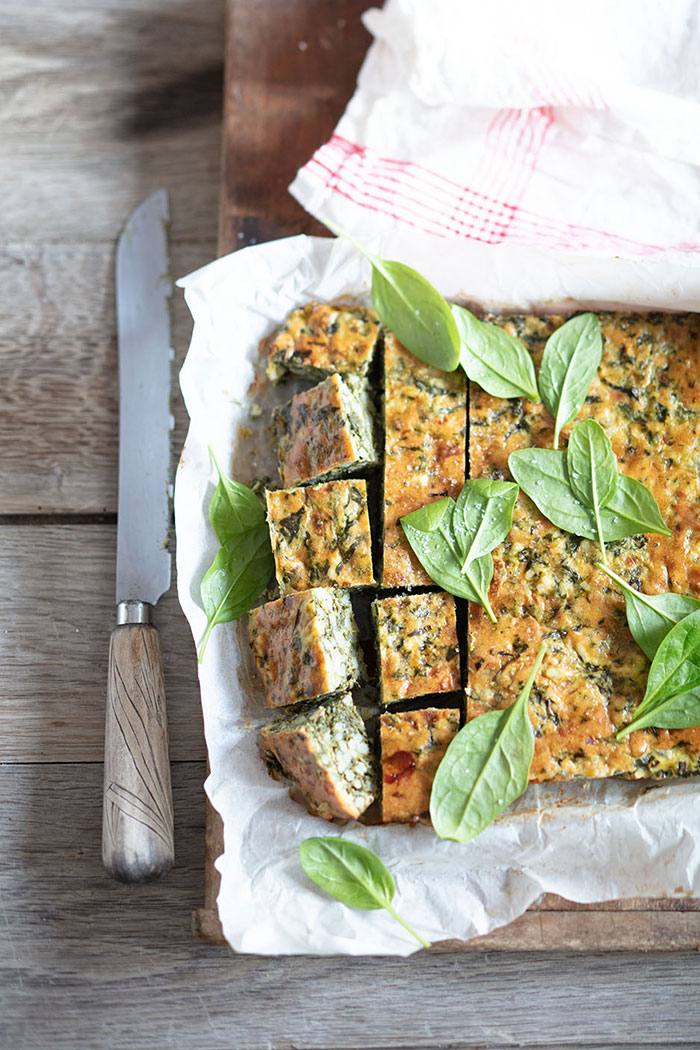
{"x":546,"y":584}
{"x":417,"y":642}
{"x":305,"y":645}
{"x":325,"y":751}
{"x":325,"y":432}
{"x":413,"y":745}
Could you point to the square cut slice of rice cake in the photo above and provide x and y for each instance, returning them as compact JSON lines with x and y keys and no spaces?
{"x":546,"y":586}
{"x":425,"y":420}
{"x":413,"y":745}
{"x":321,"y":535}
{"x":325,"y":431}
{"x":417,"y":643}
{"x":325,"y":751}
{"x":305,"y":645}
{"x":319,"y":339}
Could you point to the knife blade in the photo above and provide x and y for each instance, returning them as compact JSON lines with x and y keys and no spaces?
{"x":137,"y":825}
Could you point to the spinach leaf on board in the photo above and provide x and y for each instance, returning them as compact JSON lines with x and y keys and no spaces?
{"x":592,"y":470}
{"x":569,"y":363}
{"x":495,"y":359}
{"x":438,"y":547}
{"x":650,"y":617}
{"x":352,"y":874}
{"x":485,"y":768}
{"x":483,"y":516}
{"x":542,"y":474}
{"x":412,"y":309}
{"x":234,"y":508}
{"x":672,"y":697}
{"x":236,"y":578}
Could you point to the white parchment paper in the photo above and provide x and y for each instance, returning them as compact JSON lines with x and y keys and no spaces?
{"x":586,"y":841}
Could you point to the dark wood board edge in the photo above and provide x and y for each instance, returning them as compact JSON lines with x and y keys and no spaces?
{"x":290,"y":69}
{"x":285,"y":88}
{"x":256,"y":209}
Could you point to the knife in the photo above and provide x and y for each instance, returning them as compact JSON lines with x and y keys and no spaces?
{"x":137,"y":822}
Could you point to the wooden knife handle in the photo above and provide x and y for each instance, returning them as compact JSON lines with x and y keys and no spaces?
{"x":137,"y":823}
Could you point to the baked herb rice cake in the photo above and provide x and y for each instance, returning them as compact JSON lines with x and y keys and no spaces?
{"x":425,"y":420}
{"x":325,"y":752}
{"x":320,"y":338}
{"x":325,"y":431}
{"x":413,"y":744}
{"x":305,"y":645}
{"x":546,"y":584}
{"x":417,"y":642}
{"x":321,"y":536}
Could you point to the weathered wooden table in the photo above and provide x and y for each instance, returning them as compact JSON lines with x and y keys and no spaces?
{"x":103,"y":101}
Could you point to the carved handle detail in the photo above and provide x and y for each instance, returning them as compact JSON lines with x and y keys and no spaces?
{"x":137,"y":822}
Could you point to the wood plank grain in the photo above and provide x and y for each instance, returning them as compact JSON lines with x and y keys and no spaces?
{"x":58,"y":375}
{"x":291,"y":68}
{"x":103,"y":103}
{"x":86,"y":962}
{"x":57,"y":612}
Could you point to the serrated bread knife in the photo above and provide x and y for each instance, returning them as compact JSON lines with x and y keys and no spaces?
{"x":137,"y":824}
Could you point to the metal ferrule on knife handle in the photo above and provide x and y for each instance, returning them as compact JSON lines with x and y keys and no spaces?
{"x":137,"y":826}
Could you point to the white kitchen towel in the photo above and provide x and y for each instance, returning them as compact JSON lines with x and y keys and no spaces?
{"x":536,"y":122}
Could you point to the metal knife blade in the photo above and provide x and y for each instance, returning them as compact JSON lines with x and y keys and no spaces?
{"x":144,"y":287}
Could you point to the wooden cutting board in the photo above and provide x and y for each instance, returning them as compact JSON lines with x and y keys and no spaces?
{"x":291,"y":67}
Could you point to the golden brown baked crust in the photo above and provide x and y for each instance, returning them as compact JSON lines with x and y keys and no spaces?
{"x":425,"y":418}
{"x":413,"y":745}
{"x":321,"y":338}
{"x":546,"y":586}
{"x":320,"y":536}
{"x":418,"y":648}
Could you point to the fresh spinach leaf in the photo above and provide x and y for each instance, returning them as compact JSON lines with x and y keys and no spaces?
{"x":485,"y":768}
{"x":569,"y":363}
{"x":236,"y":578}
{"x":483,"y":516}
{"x":542,"y":474}
{"x":494,"y":359}
{"x":453,"y":540}
{"x":352,"y":874}
{"x":632,"y":510}
{"x":651,"y":616}
{"x":234,"y":508}
{"x":244,"y":563}
{"x":672,"y":697}
{"x":592,"y":470}
{"x":439,"y":550}
{"x":412,"y":309}
{"x":427,"y":518}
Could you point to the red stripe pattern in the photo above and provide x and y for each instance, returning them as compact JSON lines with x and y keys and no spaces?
{"x":489,"y":210}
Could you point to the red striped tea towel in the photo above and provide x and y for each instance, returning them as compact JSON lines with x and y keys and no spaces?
{"x":530,"y":122}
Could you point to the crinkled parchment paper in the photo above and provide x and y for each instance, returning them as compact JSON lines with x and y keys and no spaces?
{"x":589,"y":841}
